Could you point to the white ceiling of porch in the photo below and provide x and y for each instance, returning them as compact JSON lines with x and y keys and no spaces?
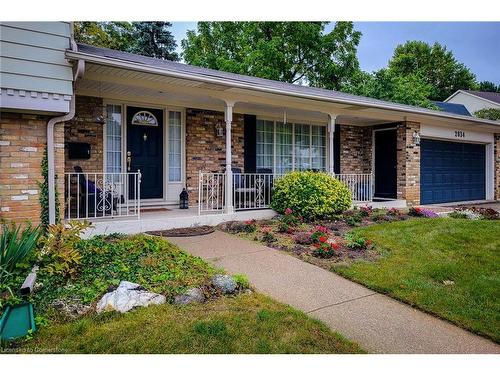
{"x":134,"y":86}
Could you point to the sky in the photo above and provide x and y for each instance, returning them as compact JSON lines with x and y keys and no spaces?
{"x":475,"y":44}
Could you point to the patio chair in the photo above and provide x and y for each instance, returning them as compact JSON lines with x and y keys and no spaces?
{"x":250,"y":191}
{"x":92,"y":200}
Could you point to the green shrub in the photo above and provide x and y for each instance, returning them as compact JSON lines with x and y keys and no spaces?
{"x":59,"y":253}
{"x":355,"y":241}
{"x":15,"y":246}
{"x":242,"y":281}
{"x":310,"y":195}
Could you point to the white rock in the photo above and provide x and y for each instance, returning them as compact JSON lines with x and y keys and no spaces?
{"x":127,"y":296}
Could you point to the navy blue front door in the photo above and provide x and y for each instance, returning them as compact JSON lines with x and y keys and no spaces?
{"x":451,"y":171}
{"x":386,"y":164}
{"x":145,"y":148}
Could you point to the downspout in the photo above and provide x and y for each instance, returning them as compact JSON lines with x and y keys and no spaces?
{"x":78,"y":72}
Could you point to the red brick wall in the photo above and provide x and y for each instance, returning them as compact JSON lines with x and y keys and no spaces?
{"x":408,"y":163}
{"x":207,"y":152}
{"x":355,"y":149}
{"x":23,"y":138}
{"x":83,"y":128}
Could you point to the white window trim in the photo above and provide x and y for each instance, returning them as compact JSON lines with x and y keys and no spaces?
{"x":292,"y":124}
{"x":183,"y":144}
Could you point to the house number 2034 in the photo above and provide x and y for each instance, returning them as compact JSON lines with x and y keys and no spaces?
{"x":459,"y":134}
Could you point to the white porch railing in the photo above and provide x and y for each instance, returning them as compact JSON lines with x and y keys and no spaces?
{"x":254,"y":190}
{"x":360,"y":185}
{"x":211,"y":192}
{"x":97,"y":195}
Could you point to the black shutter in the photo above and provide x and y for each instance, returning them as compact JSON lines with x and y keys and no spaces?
{"x":336,"y":148}
{"x":250,"y":143}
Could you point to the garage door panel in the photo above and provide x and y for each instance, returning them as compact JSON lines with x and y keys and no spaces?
{"x":451,"y":171}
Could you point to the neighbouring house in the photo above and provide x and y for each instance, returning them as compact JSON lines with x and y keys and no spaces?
{"x":126,"y":133}
{"x":475,"y":100}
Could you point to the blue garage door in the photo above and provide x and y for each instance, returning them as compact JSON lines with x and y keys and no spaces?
{"x":451,"y":172}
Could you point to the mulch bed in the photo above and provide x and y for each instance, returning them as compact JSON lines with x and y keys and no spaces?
{"x":184,"y":232}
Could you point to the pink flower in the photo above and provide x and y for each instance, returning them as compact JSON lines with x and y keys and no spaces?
{"x":288,"y":211}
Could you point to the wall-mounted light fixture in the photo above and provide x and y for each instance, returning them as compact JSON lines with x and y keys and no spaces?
{"x":416,"y":138}
{"x":219,"y":130}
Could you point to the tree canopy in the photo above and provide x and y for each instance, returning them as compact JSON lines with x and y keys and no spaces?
{"x":297,"y":52}
{"x":294,"y":52}
{"x":435,"y":65}
{"x":488,"y":113}
{"x":144,"y":38}
{"x":488,"y":86}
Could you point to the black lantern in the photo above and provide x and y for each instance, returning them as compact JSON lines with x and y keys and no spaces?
{"x":183,"y":199}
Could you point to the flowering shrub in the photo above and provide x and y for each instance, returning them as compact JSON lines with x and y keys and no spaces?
{"x":319,"y":231}
{"x":288,"y":221}
{"x":487,"y":213}
{"x":249,"y":226}
{"x":421,"y":212}
{"x":303,"y":238}
{"x":268,"y":236}
{"x":311,"y":195}
{"x":356,"y":242}
{"x":325,"y":249}
{"x":353,"y":217}
{"x":465,"y":214}
{"x":394,"y":212}
{"x":365,"y":211}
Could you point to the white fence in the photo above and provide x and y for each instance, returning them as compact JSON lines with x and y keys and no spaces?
{"x":254,"y":190}
{"x":211,"y":192}
{"x":360,"y":185}
{"x":97,"y":195}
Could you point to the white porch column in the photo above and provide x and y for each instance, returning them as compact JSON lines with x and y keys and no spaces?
{"x":331,"y":133}
{"x":228,"y":114}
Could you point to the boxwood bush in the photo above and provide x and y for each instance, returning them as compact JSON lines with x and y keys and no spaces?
{"x":312,"y":195}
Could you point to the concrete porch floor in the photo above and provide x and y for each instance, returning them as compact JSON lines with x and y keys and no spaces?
{"x":158,"y":219}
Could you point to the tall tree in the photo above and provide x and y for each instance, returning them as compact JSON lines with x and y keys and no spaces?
{"x":488,"y":86}
{"x":144,"y":38}
{"x":385,"y":85}
{"x":114,"y":35}
{"x":435,"y":65}
{"x":154,"y":39}
{"x":294,"y":52}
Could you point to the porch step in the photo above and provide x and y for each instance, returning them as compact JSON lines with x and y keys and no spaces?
{"x":176,"y":218}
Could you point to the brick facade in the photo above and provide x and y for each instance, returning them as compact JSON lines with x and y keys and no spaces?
{"x":84,"y":128}
{"x":408,"y":163}
{"x":207,"y":152}
{"x":356,"y":149}
{"x":23,"y":138}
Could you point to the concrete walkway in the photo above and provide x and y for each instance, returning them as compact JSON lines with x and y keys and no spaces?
{"x":376,"y":322}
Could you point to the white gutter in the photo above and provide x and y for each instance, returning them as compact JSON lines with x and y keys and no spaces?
{"x":261,"y":87}
{"x":50,"y":140}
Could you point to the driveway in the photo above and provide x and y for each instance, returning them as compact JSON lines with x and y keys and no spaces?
{"x":378,"y":323}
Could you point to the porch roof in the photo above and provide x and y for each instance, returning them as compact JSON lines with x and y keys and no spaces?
{"x":230,"y":85}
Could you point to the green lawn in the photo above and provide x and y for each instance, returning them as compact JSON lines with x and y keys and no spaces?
{"x":246,"y":323}
{"x":418,"y":255}
{"x":249,"y":323}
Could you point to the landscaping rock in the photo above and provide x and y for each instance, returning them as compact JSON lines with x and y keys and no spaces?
{"x":193,"y":295}
{"x":127,"y":296}
{"x":72,"y":308}
{"x":225,"y":284}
